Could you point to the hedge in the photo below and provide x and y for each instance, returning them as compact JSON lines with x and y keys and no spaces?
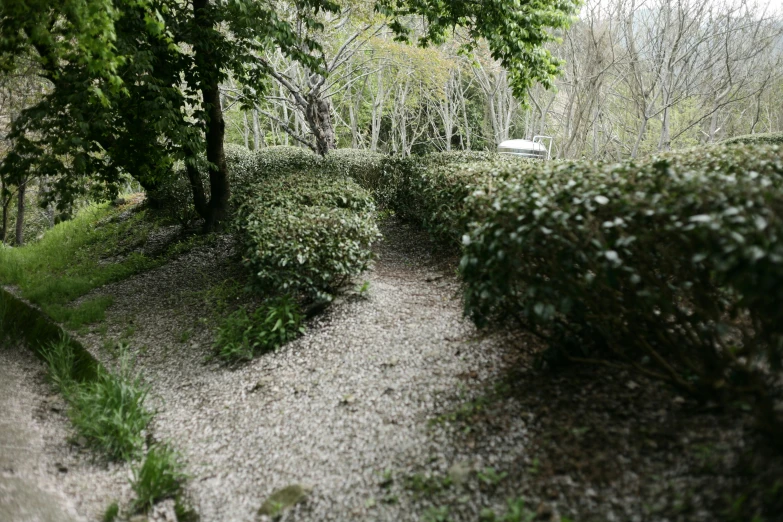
{"x":431,"y":190}
{"x":771,"y":138}
{"x":306,"y":232}
{"x":674,"y":265}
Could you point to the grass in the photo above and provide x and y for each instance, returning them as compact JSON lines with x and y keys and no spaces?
{"x":76,"y":257}
{"x":242,"y":335}
{"x":108,"y":411}
{"x":89,"y":312}
{"x":111,"y":513}
{"x":159,"y":477}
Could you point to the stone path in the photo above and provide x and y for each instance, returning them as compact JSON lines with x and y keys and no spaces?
{"x":28,"y":491}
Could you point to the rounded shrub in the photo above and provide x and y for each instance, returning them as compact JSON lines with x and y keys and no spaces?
{"x":307,"y":232}
{"x":284,"y":159}
{"x":770,"y":138}
{"x":431,"y":190}
{"x":363,"y":166}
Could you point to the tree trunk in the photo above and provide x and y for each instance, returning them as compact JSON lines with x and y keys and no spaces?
{"x":216,"y":210}
{"x":6,"y":204}
{"x":216,"y":156}
{"x":319,"y":119}
{"x":4,"y":229}
{"x":20,"y":206}
{"x":256,"y":131}
{"x":246,"y":130}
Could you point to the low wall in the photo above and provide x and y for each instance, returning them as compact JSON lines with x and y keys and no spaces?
{"x":23,"y":321}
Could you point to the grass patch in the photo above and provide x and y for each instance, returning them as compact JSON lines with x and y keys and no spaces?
{"x":93,"y":249}
{"x":111,"y":513}
{"x":89,"y":312}
{"x":108,"y":411}
{"x":159,"y":477}
{"x":242,"y":335}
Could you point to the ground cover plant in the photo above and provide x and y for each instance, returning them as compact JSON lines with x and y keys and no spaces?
{"x":108,"y":411}
{"x":97,"y":247}
{"x":242,"y":335}
{"x":159,"y":477}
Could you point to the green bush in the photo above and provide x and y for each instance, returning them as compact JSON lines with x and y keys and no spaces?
{"x":271,"y":325}
{"x":284,"y":159}
{"x":770,"y":138}
{"x":363,"y":166}
{"x":307,"y":232}
{"x":431,"y":190}
{"x":674,"y":265}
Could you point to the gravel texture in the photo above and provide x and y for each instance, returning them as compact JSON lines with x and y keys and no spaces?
{"x":43,"y":476}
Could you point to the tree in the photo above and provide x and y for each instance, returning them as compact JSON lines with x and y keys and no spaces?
{"x":152,"y":95}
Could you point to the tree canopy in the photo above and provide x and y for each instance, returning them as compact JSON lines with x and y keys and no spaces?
{"x":135,"y":83}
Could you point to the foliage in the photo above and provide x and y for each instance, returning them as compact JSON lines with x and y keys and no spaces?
{"x":85,"y":34}
{"x":285,"y":160}
{"x":431,"y":190}
{"x":128,"y":106}
{"x":175,"y":195}
{"x":771,"y":138}
{"x":306,"y":232}
{"x":363,"y":166}
{"x":95,"y":248}
{"x":60,"y":360}
{"x":159,"y":477}
{"x":109,"y":411}
{"x":515,"y":31}
{"x":242,"y":335}
{"x":111,"y":513}
{"x":135,"y":83}
{"x":111,"y":415}
{"x":674,"y":266}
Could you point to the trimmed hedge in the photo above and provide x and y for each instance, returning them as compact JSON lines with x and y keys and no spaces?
{"x":771,"y":138}
{"x":283,"y":159}
{"x":307,"y":232}
{"x":674,"y":265}
{"x":431,"y":190}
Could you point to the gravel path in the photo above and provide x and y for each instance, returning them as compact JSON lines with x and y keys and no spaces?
{"x":42,"y":476}
{"x":390,"y":407}
{"x":332,"y":411}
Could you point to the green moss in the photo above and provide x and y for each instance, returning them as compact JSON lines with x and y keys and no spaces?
{"x":25,"y":323}
{"x":283,"y":499}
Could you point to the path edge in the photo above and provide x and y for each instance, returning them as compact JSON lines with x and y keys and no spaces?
{"x":22,"y":320}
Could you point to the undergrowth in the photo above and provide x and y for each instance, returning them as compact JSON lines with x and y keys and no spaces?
{"x":242,"y":335}
{"x":73,"y":258}
{"x":159,"y":477}
{"x":109,"y":412}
